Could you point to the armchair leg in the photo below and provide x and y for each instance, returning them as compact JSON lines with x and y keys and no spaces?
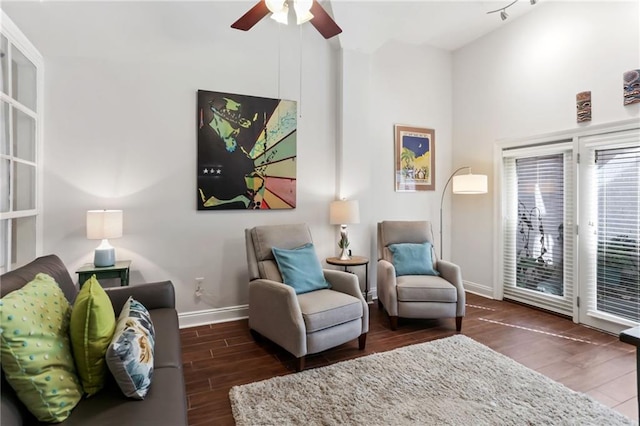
{"x":458,"y":324}
{"x":394,"y":322}
{"x":362,"y":341}
{"x":257,"y":337}
{"x":299,"y":364}
{"x":379,"y":303}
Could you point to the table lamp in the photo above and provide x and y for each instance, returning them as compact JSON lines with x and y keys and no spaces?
{"x":102,"y":225}
{"x":343,"y":213}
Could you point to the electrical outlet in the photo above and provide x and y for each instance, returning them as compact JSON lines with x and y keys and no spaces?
{"x":199,"y":291}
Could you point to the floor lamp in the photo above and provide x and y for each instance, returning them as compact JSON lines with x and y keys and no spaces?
{"x":463,"y":184}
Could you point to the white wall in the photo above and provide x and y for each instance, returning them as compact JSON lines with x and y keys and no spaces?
{"x":522,"y":81}
{"x":120,"y":132}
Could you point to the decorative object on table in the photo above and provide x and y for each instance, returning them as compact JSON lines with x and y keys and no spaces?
{"x":415,"y":152}
{"x":246,"y":152}
{"x":454,"y":381}
{"x":631,"y":86}
{"x":583,"y":105}
{"x":343,"y":213}
{"x":305,"y":10}
{"x":468,"y":184}
{"x":102,"y":225}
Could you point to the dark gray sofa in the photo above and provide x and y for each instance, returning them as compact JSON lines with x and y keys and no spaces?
{"x":165,"y":404}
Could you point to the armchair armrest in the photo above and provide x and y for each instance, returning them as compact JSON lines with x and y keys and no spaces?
{"x":152,"y":295}
{"x":451,"y":272}
{"x":347,"y":283}
{"x":387,"y":286}
{"x":275,"y":313}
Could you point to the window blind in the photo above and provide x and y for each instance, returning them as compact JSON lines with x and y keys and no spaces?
{"x":538,"y":253}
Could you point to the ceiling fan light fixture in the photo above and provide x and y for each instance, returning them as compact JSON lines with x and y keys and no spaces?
{"x":281,"y":16}
{"x":275,"y":6}
{"x":303,"y":10}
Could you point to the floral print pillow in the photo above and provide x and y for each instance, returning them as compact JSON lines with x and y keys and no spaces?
{"x":130,"y":354}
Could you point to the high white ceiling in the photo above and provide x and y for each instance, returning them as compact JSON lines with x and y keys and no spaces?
{"x":78,"y":27}
{"x":446,"y":24}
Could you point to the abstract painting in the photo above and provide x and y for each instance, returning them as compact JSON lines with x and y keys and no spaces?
{"x":631,"y":87}
{"x":583,"y":106}
{"x":415,"y":159}
{"x":246,"y":152}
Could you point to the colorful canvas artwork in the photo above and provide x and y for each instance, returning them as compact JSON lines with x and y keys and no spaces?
{"x":631,"y":86}
{"x":246,"y":152}
{"x":415,"y":159}
{"x":583,"y":106}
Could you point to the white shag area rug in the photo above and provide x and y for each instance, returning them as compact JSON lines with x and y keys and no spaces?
{"x":452,"y":381}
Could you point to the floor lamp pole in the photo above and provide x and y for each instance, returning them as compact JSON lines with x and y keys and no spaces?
{"x":444,"y":191}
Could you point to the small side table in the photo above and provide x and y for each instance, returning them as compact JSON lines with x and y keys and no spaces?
{"x":632,"y":337}
{"x":354,"y":261}
{"x":119,"y":270}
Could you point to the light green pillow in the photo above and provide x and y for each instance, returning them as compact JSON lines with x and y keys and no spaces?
{"x":92,"y":325}
{"x":35,"y":350}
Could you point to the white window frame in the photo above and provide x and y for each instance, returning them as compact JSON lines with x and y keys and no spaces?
{"x":573,"y":135}
{"x":18,"y":40}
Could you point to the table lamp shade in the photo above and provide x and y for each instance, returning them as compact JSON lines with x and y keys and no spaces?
{"x":470,"y":184}
{"x":102,"y":225}
{"x":344,"y":212}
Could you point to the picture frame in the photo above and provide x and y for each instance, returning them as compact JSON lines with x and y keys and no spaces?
{"x":415,"y":159}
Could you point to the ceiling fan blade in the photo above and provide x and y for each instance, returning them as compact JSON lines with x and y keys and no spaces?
{"x":252,"y":17}
{"x":323,"y":22}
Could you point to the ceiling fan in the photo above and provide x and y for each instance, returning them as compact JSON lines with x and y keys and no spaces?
{"x":306,"y":10}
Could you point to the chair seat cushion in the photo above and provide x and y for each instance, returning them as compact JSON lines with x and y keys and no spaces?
{"x":327,"y":308}
{"x":425,"y":288}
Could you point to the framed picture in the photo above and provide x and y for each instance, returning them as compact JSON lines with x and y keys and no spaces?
{"x":415,"y":153}
{"x":246,"y":152}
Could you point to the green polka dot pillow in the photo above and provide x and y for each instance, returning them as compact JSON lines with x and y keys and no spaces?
{"x":35,"y":349}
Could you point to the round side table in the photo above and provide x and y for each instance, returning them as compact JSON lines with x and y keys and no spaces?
{"x":354,"y":261}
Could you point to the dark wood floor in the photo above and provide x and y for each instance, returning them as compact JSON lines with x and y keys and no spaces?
{"x":219,"y":356}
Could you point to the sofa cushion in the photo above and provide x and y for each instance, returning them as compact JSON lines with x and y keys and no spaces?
{"x":412,"y":259}
{"x":92,"y":326}
{"x":425,"y":288}
{"x":326,"y":308}
{"x":300,"y":268}
{"x":130,"y":354}
{"x":35,"y":348}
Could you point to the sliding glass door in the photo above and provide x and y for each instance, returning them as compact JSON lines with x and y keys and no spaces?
{"x":610,"y":243}
{"x":538,"y":206}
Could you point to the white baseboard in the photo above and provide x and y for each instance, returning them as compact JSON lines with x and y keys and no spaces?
{"x":212,"y":316}
{"x":479,"y":289}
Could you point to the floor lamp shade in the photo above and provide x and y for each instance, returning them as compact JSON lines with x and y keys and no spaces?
{"x":470,"y":184}
{"x":102,"y":225}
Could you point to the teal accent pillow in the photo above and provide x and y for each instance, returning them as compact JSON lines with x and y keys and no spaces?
{"x":300,"y":268}
{"x":130,"y":354}
{"x":412,"y":259}
{"x":35,"y":348}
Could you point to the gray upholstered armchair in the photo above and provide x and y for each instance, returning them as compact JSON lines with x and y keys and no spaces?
{"x":300,"y":323}
{"x":417,"y":296}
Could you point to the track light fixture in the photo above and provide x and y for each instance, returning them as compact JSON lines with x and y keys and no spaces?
{"x":503,"y":10}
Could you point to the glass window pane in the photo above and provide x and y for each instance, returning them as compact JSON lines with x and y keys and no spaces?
{"x":4,"y":133}
{"x":4,"y":69}
{"x":24,"y":136}
{"x":23,"y":74}
{"x":4,"y":244}
{"x":4,"y":185}
{"x":23,"y":241}
{"x":24,"y":186}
